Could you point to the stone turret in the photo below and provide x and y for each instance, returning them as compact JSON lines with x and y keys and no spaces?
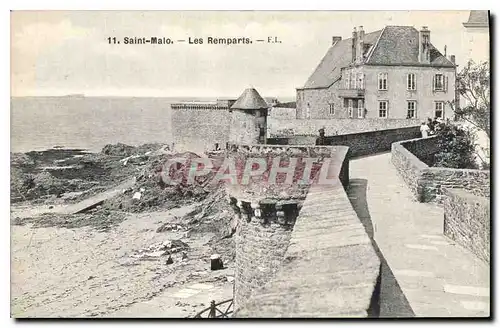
{"x":249,"y":119}
{"x":265,"y":209}
{"x":264,"y":228}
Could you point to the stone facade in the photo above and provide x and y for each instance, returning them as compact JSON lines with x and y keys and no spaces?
{"x":393,"y":73}
{"x":315,"y":103}
{"x":319,"y":100}
{"x":398,"y":96}
{"x":427,"y":183}
{"x":467,"y":221}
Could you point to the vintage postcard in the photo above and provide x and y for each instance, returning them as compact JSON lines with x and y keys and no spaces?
{"x":250,"y":164}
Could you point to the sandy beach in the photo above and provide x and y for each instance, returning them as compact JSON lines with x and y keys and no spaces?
{"x":123,"y":258}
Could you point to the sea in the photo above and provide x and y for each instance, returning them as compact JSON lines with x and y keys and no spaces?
{"x":40,"y":123}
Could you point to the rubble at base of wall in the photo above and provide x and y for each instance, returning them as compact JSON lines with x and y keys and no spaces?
{"x":467,"y":221}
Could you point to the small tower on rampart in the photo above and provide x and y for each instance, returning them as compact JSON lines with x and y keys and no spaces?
{"x":248,"y":119}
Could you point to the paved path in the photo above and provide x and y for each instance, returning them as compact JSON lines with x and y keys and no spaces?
{"x":437,"y":277}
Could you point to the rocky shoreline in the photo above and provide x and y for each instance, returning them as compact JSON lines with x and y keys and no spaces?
{"x":194,"y":216}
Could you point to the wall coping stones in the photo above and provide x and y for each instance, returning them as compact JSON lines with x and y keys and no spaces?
{"x":466,"y":195}
{"x":329,"y":270}
{"x":428,"y":183}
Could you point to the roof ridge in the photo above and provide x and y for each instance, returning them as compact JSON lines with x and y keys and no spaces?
{"x":375,"y":46}
{"x":323,"y":59}
{"x":376,"y":31}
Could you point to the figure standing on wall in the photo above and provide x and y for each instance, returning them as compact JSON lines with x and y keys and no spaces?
{"x":321,"y":141}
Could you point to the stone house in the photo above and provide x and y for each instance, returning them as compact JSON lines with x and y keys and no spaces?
{"x":393,"y":73}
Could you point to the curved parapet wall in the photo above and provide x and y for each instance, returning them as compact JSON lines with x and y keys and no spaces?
{"x":324,"y":265}
{"x":428,"y":183}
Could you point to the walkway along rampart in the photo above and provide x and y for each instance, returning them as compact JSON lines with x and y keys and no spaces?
{"x":463,"y":193}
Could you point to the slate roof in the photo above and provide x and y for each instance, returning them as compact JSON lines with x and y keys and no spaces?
{"x":250,"y":99}
{"x":478,"y":18}
{"x":394,"y":45}
{"x":398,"y":45}
{"x":338,"y":56}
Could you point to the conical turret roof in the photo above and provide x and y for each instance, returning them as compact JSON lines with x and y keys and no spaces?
{"x":250,"y":99}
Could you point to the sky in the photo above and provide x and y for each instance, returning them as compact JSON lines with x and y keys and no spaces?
{"x":67,"y":52}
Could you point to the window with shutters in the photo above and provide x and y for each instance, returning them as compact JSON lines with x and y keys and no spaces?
{"x":411,"y":84}
{"x":332,"y":109}
{"x":411,"y":109}
{"x":353,"y":81}
{"x":361,"y":108}
{"x":361,"y":81}
{"x":347,"y":80}
{"x":438,"y":82}
{"x":350,"y":108}
{"x":382,"y":81}
{"x":439,"y":109}
{"x":383,"y":107}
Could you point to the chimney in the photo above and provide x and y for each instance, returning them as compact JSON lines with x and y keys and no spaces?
{"x":354,"y":44}
{"x":445,"y":50}
{"x":361,"y":44}
{"x":424,"y":42}
{"x":452,"y":59}
{"x":336,"y":39}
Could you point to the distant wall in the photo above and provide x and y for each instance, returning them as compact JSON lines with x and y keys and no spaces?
{"x":467,"y":221}
{"x":427,"y":183}
{"x":367,"y":143}
{"x":197,"y":128}
{"x":283,"y":113}
{"x":278,"y":127}
{"x":360,"y":144}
